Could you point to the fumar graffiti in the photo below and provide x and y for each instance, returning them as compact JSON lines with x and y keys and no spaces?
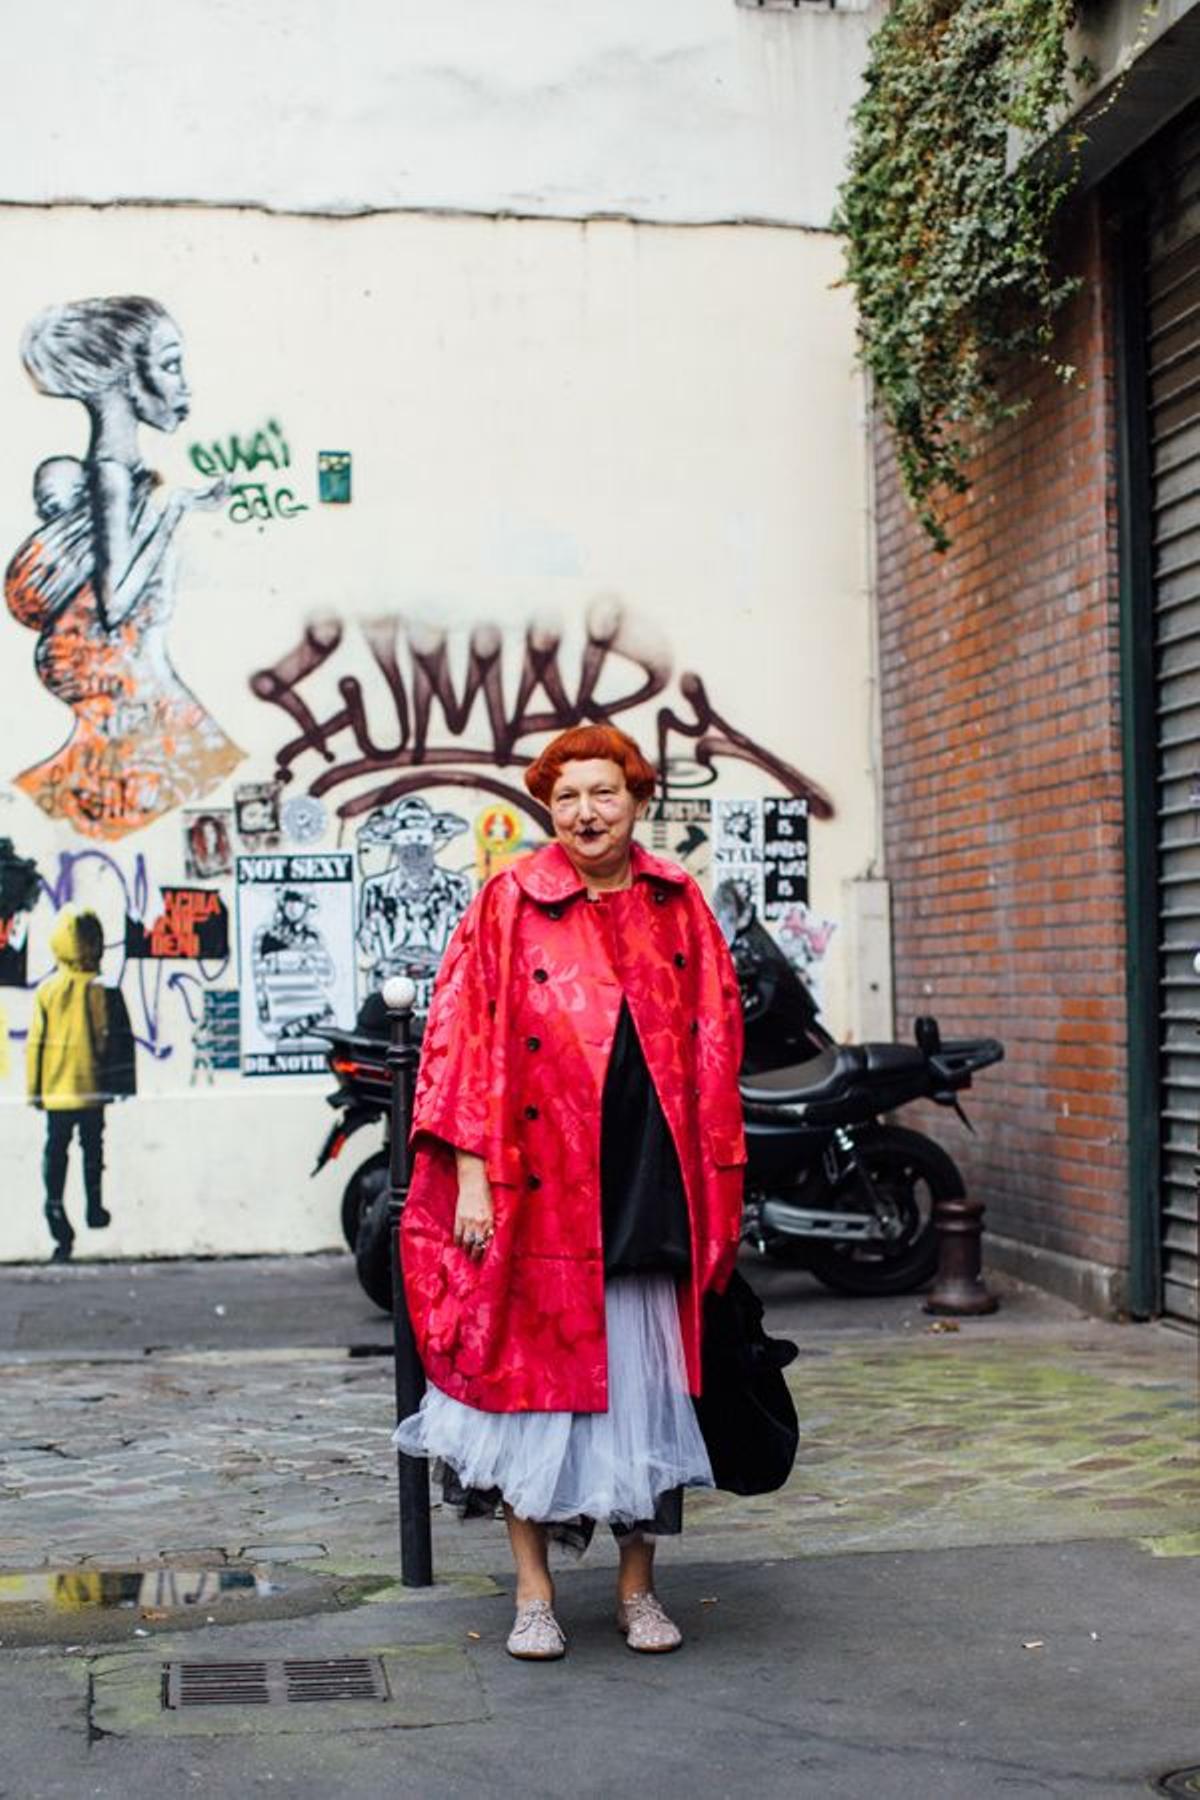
{"x":364,"y":742}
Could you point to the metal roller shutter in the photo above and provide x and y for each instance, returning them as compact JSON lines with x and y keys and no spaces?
{"x":1173,"y":379}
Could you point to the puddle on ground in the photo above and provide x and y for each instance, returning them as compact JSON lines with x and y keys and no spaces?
{"x":142,"y":1590}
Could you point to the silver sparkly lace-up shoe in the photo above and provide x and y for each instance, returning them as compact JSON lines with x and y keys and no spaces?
{"x":536,"y":1635}
{"x":646,"y":1626}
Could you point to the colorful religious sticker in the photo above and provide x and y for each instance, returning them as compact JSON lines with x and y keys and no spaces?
{"x":499,"y":838}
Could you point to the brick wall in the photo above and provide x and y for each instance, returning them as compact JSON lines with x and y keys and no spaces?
{"x":1002,"y":793}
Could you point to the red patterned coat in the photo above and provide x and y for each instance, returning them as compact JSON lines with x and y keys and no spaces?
{"x":516,"y":1048}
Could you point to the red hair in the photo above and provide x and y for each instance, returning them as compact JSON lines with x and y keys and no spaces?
{"x":587,"y":743}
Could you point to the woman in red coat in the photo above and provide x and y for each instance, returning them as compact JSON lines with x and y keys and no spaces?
{"x":577,"y":1185}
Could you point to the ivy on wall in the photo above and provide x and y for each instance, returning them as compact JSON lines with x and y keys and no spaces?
{"x":948,"y":248}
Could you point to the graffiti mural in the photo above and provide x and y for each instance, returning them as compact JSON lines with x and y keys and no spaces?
{"x":296,"y":958}
{"x":417,"y":720}
{"x":96,"y":577}
{"x":164,"y":1000}
{"x":408,"y":904}
{"x":79,"y":1058}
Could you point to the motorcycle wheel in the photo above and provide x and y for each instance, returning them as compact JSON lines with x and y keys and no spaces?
{"x":354,"y":1194}
{"x":913,"y":1173}
{"x":372,"y":1248}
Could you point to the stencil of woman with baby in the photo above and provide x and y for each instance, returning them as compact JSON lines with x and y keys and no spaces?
{"x":96,"y":578}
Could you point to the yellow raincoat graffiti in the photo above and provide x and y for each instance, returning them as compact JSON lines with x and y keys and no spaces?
{"x":70,"y":1018}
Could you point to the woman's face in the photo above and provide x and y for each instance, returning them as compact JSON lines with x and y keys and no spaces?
{"x":594,"y":814}
{"x":158,"y":386}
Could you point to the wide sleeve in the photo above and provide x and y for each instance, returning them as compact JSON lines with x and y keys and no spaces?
{"x":721,"y":1036}
{"x":460,"y":1090}
{"x":719,"y":1039}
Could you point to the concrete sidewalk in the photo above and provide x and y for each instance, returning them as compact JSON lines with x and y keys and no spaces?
{"x":984,"y":1576}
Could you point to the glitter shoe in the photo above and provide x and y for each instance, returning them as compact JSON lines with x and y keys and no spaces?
{"x":536,"y":1635}
{"x":646,"y":1626}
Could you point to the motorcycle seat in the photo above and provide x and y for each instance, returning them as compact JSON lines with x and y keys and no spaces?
{"x":818,"y":1079}
{"x":824,"y":1077}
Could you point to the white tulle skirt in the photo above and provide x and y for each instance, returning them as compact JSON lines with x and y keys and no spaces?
{"x":611,"y":1466}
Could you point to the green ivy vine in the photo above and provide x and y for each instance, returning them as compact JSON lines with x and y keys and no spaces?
{"x":949,"y":250}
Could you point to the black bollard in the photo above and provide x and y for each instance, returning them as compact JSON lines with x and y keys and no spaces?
{"x":416,"y":1545}
{"x":959,"y":1289}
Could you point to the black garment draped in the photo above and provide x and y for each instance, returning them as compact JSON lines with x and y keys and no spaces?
{"x":642,"y":1201}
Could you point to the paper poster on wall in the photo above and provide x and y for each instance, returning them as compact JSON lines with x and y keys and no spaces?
{"x":680,"y":830}
{"x":256,"y":812}
{"x":737,"y":853}
{"x":296,"y":958}
{"x":193,"y":923}
{"x":207,"y":843}
{"x":785,"y":854}
{"x":215,"y":1041}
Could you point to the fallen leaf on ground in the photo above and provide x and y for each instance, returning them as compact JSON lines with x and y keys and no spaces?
{"x":940,"y":1325}
{"x":154,"y":1614}
{"x":475,"y":1635}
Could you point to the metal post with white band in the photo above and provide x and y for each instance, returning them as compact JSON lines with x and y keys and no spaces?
{"x":416,"y":1545}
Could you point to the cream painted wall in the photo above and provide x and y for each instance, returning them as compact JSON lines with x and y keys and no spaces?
{"x":677,"y":110}
{"x":539,"y":413}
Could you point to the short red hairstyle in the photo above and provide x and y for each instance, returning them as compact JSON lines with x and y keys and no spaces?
{"x":585,"y":743}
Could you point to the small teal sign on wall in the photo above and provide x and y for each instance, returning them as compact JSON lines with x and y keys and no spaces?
{"x":333,"y":477}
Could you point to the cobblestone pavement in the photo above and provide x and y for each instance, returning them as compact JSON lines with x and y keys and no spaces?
{"x":917,"y":1437}
{"x":982,"y":1578}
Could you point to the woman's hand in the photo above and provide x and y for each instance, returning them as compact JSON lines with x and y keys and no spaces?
{"x":474,"y":1215}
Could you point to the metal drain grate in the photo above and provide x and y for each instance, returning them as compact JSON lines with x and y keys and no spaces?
{"x":290,"y":1681}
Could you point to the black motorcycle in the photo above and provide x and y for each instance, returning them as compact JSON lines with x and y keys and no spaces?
{"x":828,"y":1186}
{"x":362,"y":1098}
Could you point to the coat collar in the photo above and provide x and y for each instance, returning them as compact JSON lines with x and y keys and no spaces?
{"x":550,"y":877}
